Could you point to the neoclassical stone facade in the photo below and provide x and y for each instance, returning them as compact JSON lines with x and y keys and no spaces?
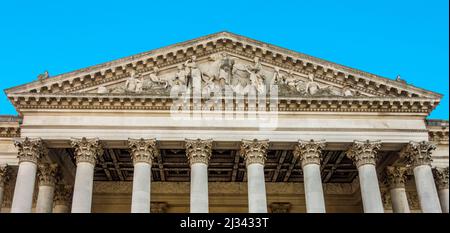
{"x":222,"y":123}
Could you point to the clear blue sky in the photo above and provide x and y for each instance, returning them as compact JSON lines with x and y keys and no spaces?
{"x":385,"y":37}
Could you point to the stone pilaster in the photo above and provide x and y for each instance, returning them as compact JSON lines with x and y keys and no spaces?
{"x":143,"y":150}
{"x":198,"y":151}
{"x":254,"y":151}
{"x":364,"y":152}
{"x":309,"y":152}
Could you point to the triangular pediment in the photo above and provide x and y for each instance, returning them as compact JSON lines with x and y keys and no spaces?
{"x":223,"y":70}
{"x":223,"y":59}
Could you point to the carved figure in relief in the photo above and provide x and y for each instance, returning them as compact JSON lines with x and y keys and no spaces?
{"x":289,"y":80}
{"x":153,"y":81}
{"x":346,"y":91}
{"x":225,"y":70}
{"x":194,"y":75}
{"x":133,"y":84}
{"x":312,"y":87}
{"x":181,"y":75}
{"x":256,"y":78}
{"x":102,"y":90}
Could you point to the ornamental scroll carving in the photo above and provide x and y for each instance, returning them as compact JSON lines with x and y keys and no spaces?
{"x":418,"y":153}
{"x":309,"y":152}
{"x":143,"y":150}
{"x":30,"y":150}
{"x":198,"y":151}
{"x":87,"y":150}
{"x":364,"y":152}
{"x":254,"y":151}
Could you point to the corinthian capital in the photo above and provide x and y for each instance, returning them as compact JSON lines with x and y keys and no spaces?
{"x":4,"y":174}
{"x":254,"y":151}
{"x":143,"y":150}
{"x":396,"y":177}
{"x":418,"y":153}
{"x":364,"y":152}
{"x":441,"y":177}
{"x":198,"y":151}
{"x":30,"y":150}
{"x":63,"y":194}
{"x":87,"y":150}
{"x":309,"y":152}
{"x":47,"y":174}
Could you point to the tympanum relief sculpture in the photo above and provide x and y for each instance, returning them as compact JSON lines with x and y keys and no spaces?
{"x":220,"y":72}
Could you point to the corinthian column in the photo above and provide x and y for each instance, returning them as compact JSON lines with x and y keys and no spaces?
{"x":30,"y":151}
{"x":86,"y":153}
{"x":142,"y":152}
{"x":62,"y":199}
{"x":395,"y":180}
{"x":364,"y":156}
{"x":309,"y":153}
{"x":47,"y":180}
{"x":418,"y":156}
{"x":441,"y":178}
{"x":4,"y":177}
{"x":255,"y":155}
{"x":199,"y":152}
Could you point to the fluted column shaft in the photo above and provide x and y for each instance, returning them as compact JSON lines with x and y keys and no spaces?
{"x":395,"y":180}
{"x":198,"y":153}
{"x":47,"y":180}
{"x":86,"y":153}
{"x":364,"y":155}
{"x":418,"y":155}
{"x":30,"y":151}
{"x":441,"y":178}
{"x":142,"y":152}
{"x":309,"y":153}
{"x":255,"y":154}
